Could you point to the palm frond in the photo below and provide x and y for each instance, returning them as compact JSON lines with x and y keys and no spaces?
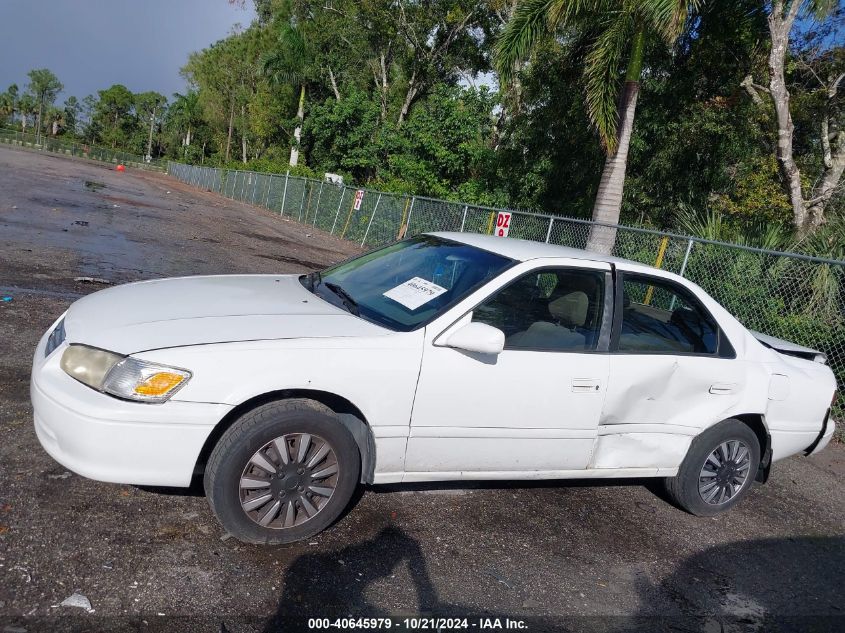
{"x":529,"y":23}
{"x":603,"y":64}
{"x":293,"y":41}
{"x":569,"y":11}
{"x":667,"y":17}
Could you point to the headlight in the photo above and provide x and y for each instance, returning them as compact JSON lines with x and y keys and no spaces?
{"x":141,"y":380}
{"x":122,"y":376}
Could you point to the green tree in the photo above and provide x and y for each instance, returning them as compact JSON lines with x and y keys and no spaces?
{"x":113,"y":114}
{"x":808,"y":211}
{"x":9,"y":104}
{"x":291,"y":62}
{"x":150,"y":107}
{"x":225,"y":76}
{"x":185,"y":115}
{"x":44,"y":87}
{"x":615,"y":35}
{"x":72,"y":112}
{"x":27,"y":107}
{"x":55,"y":117}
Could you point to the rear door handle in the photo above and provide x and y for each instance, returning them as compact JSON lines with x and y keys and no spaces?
{"x":723,"y":388}
{"x":585,"y":385}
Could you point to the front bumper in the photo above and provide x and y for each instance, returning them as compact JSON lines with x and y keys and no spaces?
{"x":104,"y":438}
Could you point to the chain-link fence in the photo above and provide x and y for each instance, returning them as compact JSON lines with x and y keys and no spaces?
{"x":786,"y":295}
{"x":58,"y":145}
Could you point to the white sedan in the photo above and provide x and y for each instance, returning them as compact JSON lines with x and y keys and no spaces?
{"x":448,"y":356}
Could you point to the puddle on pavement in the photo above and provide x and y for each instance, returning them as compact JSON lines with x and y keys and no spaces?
{"x":92,"y":185}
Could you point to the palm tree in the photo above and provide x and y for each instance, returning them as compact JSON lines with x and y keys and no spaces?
{"x":617,"y":32}
{"x":290,"y":63}
{"x":186,"y":114}
{"x":26,"y":107}
{"x":44,"y":86}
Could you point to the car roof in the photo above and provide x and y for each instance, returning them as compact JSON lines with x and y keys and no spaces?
{"x":524,"y":250}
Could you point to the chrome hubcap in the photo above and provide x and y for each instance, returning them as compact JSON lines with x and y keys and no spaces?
{"x":288,"y":481}
{"x":725,"y":472}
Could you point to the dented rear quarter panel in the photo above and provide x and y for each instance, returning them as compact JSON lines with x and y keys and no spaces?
{"x":657,"y":404}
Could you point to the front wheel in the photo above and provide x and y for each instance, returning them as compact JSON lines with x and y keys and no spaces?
{"x":282,"y":472}
{"x":718,"y":470}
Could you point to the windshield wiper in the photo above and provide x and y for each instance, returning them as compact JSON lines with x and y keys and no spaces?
{"x":348,"y":301}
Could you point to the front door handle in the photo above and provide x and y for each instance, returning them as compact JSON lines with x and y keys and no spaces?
{"x":723,"y":388}
{"x":585,"y":385}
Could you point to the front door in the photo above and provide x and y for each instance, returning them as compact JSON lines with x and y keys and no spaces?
{"x":535,"y":406}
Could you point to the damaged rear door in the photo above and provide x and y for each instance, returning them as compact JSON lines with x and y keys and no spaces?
{"x":672,"y":372}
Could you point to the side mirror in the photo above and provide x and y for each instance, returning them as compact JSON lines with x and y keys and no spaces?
{"x":477,"y":337}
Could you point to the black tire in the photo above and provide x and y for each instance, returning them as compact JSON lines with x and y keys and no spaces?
{"x":255,"y":430}
{"x":683,"y":489}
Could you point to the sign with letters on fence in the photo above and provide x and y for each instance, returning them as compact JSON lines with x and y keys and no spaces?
{"x":359,"y":198}
{"x":503,"y":224}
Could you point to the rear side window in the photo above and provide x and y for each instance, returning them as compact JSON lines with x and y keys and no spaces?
{"x":664,"y":318}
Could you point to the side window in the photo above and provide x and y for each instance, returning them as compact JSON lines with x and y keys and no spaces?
{"x":550,"y":310}
{"x":662,"y":317}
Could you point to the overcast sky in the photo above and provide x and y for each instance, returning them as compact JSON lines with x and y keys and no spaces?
{"x":92,"y":44}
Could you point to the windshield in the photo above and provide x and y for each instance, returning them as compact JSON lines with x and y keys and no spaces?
{"x":407,"y":284}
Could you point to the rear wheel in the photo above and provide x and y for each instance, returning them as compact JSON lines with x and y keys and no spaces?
{"x":282,"y":472}
{"x":718,"y":470}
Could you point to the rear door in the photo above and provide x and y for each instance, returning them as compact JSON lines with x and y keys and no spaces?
{"x":672,"y":369}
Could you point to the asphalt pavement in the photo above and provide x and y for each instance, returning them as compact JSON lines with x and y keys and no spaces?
{"x":543,"y":556}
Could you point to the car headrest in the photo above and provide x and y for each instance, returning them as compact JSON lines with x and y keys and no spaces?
{"x":571,"y":309}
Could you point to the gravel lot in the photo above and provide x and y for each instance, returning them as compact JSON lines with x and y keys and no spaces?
{"x":561,"y":556}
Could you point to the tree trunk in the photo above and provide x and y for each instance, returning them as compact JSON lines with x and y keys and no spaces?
{"x":231,"y":125}
{"x":244,"y":157}
{"x":413,"y":89}
{"x":334,"y":84}
{"x":779,"y":28}
{"x":609,"y":197}
{"x":297,"y":133}
{"x":383,"y":88}
{"x":150,"y":140}
{"x":38,"y":121}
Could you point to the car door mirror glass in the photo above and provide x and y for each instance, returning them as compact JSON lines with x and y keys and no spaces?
{"x":479,"y":338}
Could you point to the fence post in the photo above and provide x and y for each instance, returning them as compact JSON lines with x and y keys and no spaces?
{"x":267,"y":195}
{"x":464,"y":219}
{"x":683,"y":269}
{"x":317,"y":209}
{"x":403,"y":229}
{"x":549,"y":232}
{"x":372,"y":217}
{"x":302,"y":203}
{"x":339,"y":205}
{"x":690,"y":244}
{"x":284,"y":193}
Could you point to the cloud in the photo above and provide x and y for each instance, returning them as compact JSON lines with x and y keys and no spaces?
{"x":93,"y":44}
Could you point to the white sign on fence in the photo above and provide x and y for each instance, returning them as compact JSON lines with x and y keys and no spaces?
{"x":503,"y":224}
{"x":359,"y":198}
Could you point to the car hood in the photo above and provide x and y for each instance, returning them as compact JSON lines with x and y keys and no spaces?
{"x":210,"y":309}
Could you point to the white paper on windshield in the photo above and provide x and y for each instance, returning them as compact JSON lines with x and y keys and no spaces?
{"x":415,"y":292}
